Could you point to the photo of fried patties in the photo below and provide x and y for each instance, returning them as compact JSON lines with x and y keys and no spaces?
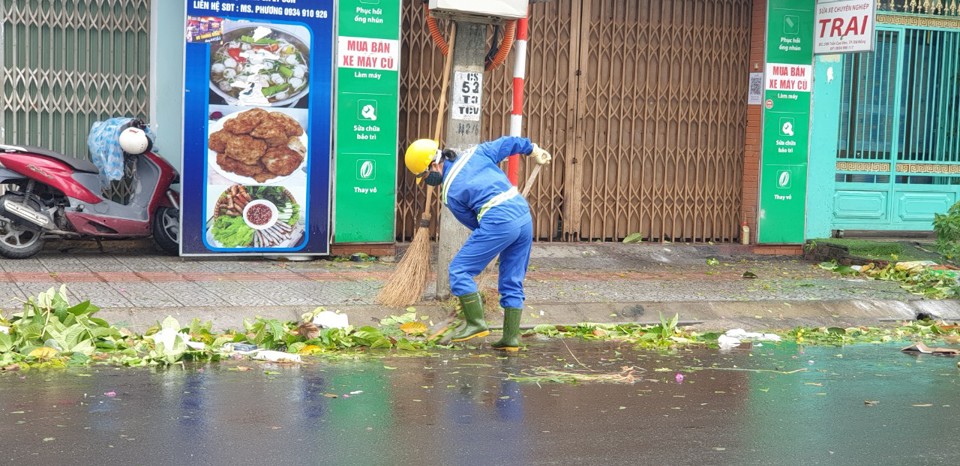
{"x":245,"y":149}
{"x":259,"y":144}
{"x":277,"y":129}
{"x":218,"y":141}
{"x":239,"y":168}
{"x":282,"y":160}
{"x":245,"y":122}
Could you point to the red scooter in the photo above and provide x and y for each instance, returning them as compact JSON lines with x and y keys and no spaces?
{"x":54,"y":195}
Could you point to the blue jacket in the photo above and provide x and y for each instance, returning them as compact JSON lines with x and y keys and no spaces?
{"x":474,"y":181}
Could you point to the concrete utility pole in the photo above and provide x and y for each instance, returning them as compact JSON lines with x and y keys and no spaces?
{"x":462,"y":131}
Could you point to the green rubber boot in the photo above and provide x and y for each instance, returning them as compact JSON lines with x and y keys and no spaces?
{"x":511,"y":330}
{"x":474,"y":325}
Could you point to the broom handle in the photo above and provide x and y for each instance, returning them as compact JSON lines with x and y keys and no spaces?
{"x":531,"y":179}
{"x":446,"y":81}
{"x":427,"y":210}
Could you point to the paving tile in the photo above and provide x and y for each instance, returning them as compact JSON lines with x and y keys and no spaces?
{"x":124,"y":277}
{"x":148,"y":263}
{"x":295,"y":294}
{"x":64,"y":263}
{"x":107,"y":264}
{"x":22,"y":265}
{"x":142,"y":294}
{"x":245,"y":265}
{"x":192,"y":294}
{"x":101,"y":294}
{"x":241,"y":294}
{"x":181,"y":264}
{"x":11,"y":297}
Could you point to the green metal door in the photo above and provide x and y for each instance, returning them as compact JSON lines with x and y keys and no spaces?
{"x":898,"y":155}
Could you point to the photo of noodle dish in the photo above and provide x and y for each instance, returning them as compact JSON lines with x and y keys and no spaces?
{"x":255,"y":217}
{"x":257,"y":146}
{"x":260,"y":65}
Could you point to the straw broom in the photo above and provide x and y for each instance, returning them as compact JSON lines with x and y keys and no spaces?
{"x":406,"y":285}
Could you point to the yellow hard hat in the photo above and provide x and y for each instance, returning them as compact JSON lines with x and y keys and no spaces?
{"x":420,"y":155}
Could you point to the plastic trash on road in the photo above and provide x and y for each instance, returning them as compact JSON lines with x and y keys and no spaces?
{"x":244,"y":348}
{"x":327,"y":319}
{"x":196,"y":345}
{"x":728,"y":342}
{"x":919,"y":347}
{"x":733,"y":337}
{"x":276,"y":356}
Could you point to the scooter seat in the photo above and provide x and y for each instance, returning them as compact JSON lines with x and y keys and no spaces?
{"x":75,"y":163}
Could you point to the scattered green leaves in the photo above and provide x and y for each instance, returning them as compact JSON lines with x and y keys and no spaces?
{"x":925,"y":330}
{"x":666,"y":334}
{"x":921,"y":278}
{"x":633,"y":238}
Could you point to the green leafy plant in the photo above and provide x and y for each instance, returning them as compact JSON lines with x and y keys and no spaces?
{"x":49,"y":323}
{"x":947,"y":227}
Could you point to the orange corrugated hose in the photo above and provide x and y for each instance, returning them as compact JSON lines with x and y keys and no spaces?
{"x":509,"y":35}
{"x":435,"y":32}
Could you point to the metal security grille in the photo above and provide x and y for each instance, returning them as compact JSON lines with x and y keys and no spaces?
{"x":422,"y":65}
{"x":642,"y":102}
{"x":664,"y":120}
{"x":65,"y":64}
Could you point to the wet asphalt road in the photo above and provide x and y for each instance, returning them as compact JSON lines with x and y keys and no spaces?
{"x":775,"y":404}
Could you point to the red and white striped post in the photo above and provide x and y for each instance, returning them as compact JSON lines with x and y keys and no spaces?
{"x":516,"y":117}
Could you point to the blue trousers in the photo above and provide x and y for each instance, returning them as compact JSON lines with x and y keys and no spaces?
{"x":512,"y":241}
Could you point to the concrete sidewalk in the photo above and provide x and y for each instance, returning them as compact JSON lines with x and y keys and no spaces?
{"x":566,"y":284}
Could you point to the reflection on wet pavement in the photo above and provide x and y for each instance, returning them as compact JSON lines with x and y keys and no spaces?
{"x":768,"y":405}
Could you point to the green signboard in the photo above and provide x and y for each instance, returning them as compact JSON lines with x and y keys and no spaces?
{"x":368,"y":80}
{"x":788,"y":82}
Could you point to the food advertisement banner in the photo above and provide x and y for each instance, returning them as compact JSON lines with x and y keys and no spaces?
{"x":368,"y":88}
{"x":257,"y":127}
{"x":785,"y":148}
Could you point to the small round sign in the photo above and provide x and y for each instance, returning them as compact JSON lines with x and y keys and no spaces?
{"x":769,"y":104}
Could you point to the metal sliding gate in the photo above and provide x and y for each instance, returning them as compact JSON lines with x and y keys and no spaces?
{"x":67,"y":64}
{"x":898,"y":159}
{"x":642,"y":102}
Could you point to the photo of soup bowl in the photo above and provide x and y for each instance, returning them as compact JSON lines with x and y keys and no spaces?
{"x":260,"y":59}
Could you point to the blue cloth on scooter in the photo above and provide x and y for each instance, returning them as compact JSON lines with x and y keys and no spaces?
{"x":481,"y":197}
{"x":104,"y":145}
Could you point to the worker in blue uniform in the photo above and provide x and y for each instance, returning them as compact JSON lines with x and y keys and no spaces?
{"x":480,"y":196}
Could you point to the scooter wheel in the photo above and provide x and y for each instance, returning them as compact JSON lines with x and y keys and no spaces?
{"x":166,"y":230}
{"x":19,"y":241}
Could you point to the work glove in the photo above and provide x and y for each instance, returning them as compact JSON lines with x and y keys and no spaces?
{"x":542,"y":156}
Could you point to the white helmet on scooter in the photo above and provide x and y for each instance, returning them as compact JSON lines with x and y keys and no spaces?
{"x":134,"y":141}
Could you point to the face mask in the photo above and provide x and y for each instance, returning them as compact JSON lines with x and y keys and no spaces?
{"x":434,"y":178}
